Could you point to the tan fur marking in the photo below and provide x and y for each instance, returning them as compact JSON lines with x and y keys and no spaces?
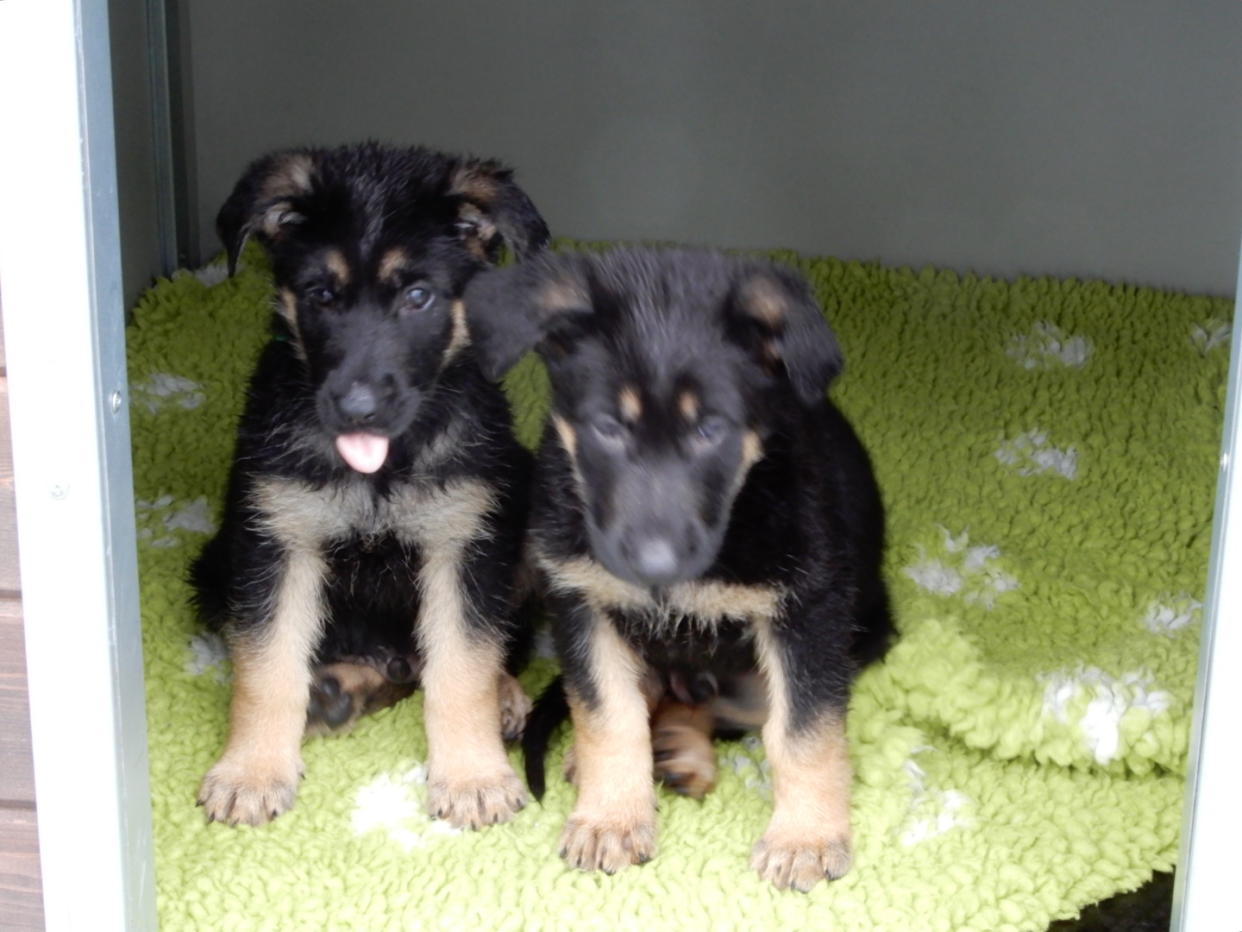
{"x":752,"y":452}
{"x":630,"y":404}
{"x":469,"y":780}
{"x":476,"y":181}
{"x":613,"y":821}
{"x":765,"y":300}
{"x":368,"y":691}
{"x":460,"y":337}
{"x":427,"y":516}
{"x":562,"y":295}
{"x":273,"y":220}
{"x":392,"y":262}
{"x":808,"y":837}
{"x":334,"y":259}
{"x":688,"y":405}
{"x":569,"y":439}
{"x":515,"y":707}
{"x":484,"y":229}
{"x":291,"y":178}
{"x":256,"y":777}
{"x":752,"y":449}
{"x":287,"y":307}
{"x":707,"y":600}
{"x":681,"y":742}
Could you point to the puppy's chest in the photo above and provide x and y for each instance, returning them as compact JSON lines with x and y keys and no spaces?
{"x":431,"y":517}
{"x":677,"y":623}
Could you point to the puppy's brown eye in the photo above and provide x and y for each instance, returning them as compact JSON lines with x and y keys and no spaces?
{"x":417,"y":298}
{"x":321,"y":294}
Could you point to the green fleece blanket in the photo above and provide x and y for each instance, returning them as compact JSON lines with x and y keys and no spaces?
{"x":1047,"y":451}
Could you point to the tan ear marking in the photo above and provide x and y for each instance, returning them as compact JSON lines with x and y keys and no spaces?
{"x":480,"y":229}
{"x":276,"y":217}
{"x":476,"y":181}
{"x":765,"y":300}
{"x":292,"y":177}
{"x":562,"y":295}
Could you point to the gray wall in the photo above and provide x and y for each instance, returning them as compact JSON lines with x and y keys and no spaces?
{"x":1098,"y":139}
{"x":144,"y":252}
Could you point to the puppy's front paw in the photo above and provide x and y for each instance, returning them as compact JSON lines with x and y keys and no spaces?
{"x":607,"y":845}
{"x":515,"y":708}
{"x":685,"y":760}
{"x":800,"y":860}
{"x":249,"y":788}
{"x":474,"y":803}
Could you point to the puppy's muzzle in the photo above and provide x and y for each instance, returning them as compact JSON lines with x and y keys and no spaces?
{"x":658,"y":554}
{"x":369,"y":403}
{"x":358,"y":405}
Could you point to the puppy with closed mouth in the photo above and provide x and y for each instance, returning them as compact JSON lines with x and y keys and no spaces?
{"x":707,"y":527}
{"x":372,"y":531}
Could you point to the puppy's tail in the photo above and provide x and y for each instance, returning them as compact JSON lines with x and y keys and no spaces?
{"x":550,"y":709}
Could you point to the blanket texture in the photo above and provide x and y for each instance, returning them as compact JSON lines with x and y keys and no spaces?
{"x":1047,"y":452}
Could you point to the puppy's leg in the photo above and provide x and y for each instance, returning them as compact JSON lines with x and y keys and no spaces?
{"x":256,"y":777}
{"x":653,"y":691}
{"x":613,"y":822}
{"x":681,"y":741}
{"x":344,"y":691}
{"x":515,"y":706}
{"x":808,"y":837}
{"x":470,"y":782}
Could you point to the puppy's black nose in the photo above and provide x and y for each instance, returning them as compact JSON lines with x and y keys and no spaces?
{"x":358,"y":404}
{"x":655,"y":560}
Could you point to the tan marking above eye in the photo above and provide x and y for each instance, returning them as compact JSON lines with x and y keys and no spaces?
{"x":630,"y":404}
{"x":392,"y":262}
{"x":688,"y":405}
{"x":335,"y":261}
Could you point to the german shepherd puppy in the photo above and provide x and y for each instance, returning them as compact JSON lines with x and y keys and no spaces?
{"x":701,"y":514}
{"x":373,"y":525}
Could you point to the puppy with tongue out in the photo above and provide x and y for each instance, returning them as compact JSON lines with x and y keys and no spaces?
{"x":374,"y":515}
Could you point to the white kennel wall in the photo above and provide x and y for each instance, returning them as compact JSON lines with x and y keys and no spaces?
{"x":1094,"y":138}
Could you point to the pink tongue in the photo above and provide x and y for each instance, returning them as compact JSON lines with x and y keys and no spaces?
{"x":363,"y":452}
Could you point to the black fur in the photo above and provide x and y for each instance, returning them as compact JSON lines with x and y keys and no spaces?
{"x":317,"y":211}
{"x":747,"y":340}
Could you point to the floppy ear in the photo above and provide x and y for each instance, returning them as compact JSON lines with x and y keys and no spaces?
{"x":781,"y":321}
{"x":263,"y":201}
{"x":512,"y":310}
{"x":494,"y":208}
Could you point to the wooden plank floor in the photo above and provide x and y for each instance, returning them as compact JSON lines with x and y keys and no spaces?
{"x":21,"y":896}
